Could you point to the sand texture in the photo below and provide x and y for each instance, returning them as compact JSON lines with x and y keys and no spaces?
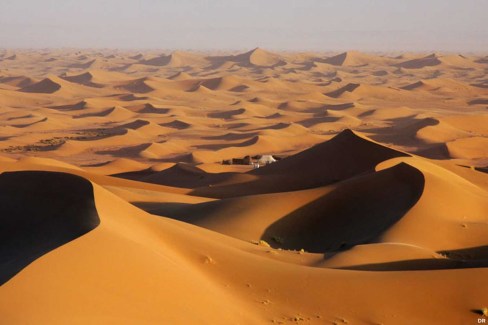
{"x":120,"y":204}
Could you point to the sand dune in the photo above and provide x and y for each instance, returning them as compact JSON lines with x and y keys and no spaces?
{"x":84,"y":65}
{"x":47,"y":86}
{"x":180,"y":76}
{"x":148,"y":108}
{"x":84,"y":79}
{"x":257,"y":57}
{"x":347,"y":88}
{"x":131,"y":192}
{"x":18,"y":81}
{"x":175,"y":59}
{"x":177,"y":124}
{"x":71,"y":107}
{"x":186,"y":59}
{"x":304,"y":225}
{"x":311,"y":167}
{"x":468,"y":147}
{"x":137,"y":86}
{"x":116,"y":166}
{"x":395,"y":191}
{"x":441,"y":85}
{"x":427,"y":61}
{"x":227,"y":83}
{"x":157,"y":61}
{"x":260,"y":58}
{"x":353,"y":59}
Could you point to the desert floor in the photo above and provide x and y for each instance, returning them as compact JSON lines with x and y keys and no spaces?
{"x":116,"y":207}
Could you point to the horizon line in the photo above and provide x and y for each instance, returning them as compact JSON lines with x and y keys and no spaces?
{"x":244,"y":50}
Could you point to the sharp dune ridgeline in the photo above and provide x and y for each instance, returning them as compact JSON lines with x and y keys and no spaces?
{"x":252,"y":187}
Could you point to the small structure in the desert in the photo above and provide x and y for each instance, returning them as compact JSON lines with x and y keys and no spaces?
{"x":247,"y":160}
{"x":266,"y":160}
{"x":255,"y":161}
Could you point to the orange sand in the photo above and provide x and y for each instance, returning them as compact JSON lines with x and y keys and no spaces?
{"x":115,"y":207}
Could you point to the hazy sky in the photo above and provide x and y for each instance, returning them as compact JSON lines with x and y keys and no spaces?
{"x":449,"y":25}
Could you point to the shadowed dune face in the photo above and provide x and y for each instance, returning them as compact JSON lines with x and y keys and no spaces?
{"x":347,"y":88}
{"x":357,"y":212}
{"x":185,"y":176}
{"x":472,"y":257}
{"x":46,"y":86}
{"x":430,"y":60}
{"x":71,"y":107}
{"x":39,"y":212}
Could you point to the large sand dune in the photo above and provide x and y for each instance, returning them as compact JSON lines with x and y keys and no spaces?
{"x":126,"y":196}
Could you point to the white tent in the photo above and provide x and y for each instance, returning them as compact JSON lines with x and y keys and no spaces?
{"x":266,"y":159}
